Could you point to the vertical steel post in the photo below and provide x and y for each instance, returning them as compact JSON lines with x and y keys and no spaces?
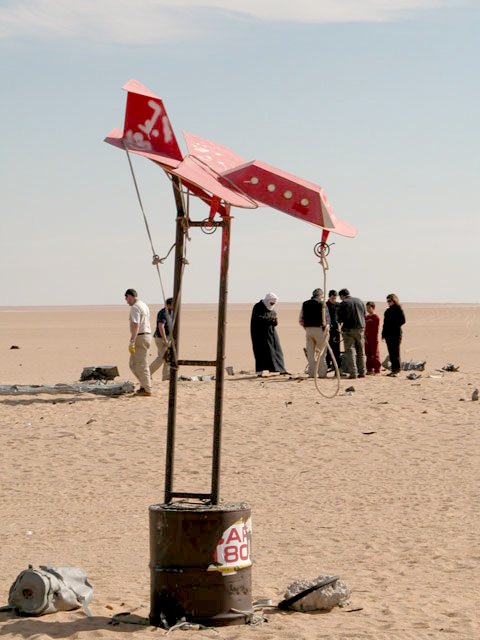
{"x":220,"y":370}
{"x":177,"y":294}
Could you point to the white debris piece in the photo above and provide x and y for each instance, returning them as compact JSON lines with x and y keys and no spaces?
{"x":324,"y":598}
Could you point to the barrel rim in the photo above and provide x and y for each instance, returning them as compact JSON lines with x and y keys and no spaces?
{"x":189,"y":507}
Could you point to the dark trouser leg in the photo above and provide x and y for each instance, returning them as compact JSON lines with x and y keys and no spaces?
{"x":348,"y":348}
{"x":393,"y":346}
{"x":360,"y":351}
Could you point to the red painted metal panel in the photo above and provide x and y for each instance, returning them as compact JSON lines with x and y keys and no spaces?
{"x":216,"y":156}
{"x":115,"y":138}
{"x":191,"y":171}
{"x":147,"y":126}
{"x":285,"y":192}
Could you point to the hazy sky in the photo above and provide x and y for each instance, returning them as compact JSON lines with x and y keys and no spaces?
{"x":378,"y":101}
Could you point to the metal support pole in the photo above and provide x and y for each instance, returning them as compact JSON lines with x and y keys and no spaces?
{"x":177,"y":286}
{"x":220,"y":370}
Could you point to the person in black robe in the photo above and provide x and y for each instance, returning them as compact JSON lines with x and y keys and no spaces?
{"x":265,"y":342}
{"x":393,"y":320}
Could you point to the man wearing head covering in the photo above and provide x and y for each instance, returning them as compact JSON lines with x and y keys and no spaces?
{"x":140,"y":337}
{"x":314,"y":318}
{"x":265,"y":342}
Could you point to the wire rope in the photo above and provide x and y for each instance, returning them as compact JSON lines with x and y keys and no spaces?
{"x":156,"y":260}
{"x":325,"y":344}
{"x":147,"y":227}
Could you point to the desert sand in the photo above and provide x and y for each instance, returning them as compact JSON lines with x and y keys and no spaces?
{"x":378,"y":486}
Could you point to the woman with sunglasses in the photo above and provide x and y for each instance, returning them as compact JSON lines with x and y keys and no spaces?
{"x":393,"y":320}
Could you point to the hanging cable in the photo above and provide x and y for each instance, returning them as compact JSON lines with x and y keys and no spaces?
{"x":322,"y":249}
{"x":154,"y":253}
{"x":156,"y":260}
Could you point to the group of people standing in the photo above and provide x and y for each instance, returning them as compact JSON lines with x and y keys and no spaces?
{"x":325,"y":323}
{"x":351,"y":320}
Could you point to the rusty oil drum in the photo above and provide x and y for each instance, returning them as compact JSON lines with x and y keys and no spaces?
{"x":200,"y":564}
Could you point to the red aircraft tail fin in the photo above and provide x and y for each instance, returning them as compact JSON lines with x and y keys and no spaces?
{"x":147,"y":126}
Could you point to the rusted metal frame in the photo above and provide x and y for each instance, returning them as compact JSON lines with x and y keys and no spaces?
{"x":219,"y":362}
{"x":200,"y":363}
{"x":220,"y":370}
{"x":186,"y":494}
{"x":203,"y":195}
{"x":205,"y":223}
{"x":177,"y":290}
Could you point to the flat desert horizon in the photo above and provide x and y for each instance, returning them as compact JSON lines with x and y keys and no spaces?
{"x":57,"y":342}
{"x":378,"y":485}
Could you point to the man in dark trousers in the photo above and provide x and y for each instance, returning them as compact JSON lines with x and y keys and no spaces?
{"x":351,"y":315}
{"x":162,"y":338}
{"x":334,"y":339}
{"x":314,"y":319}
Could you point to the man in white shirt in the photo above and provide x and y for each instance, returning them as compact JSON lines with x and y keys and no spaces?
{"x":140,"y":338}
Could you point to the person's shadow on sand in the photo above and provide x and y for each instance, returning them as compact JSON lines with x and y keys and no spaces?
{"x":15,"y":626}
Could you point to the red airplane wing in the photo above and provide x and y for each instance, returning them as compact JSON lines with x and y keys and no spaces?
{"x":285,"y":192}
{"x":193,"y":172}
{"x":216,"y":156}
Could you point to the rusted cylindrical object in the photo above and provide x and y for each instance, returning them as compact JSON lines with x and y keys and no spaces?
{"x":200,"y":564}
